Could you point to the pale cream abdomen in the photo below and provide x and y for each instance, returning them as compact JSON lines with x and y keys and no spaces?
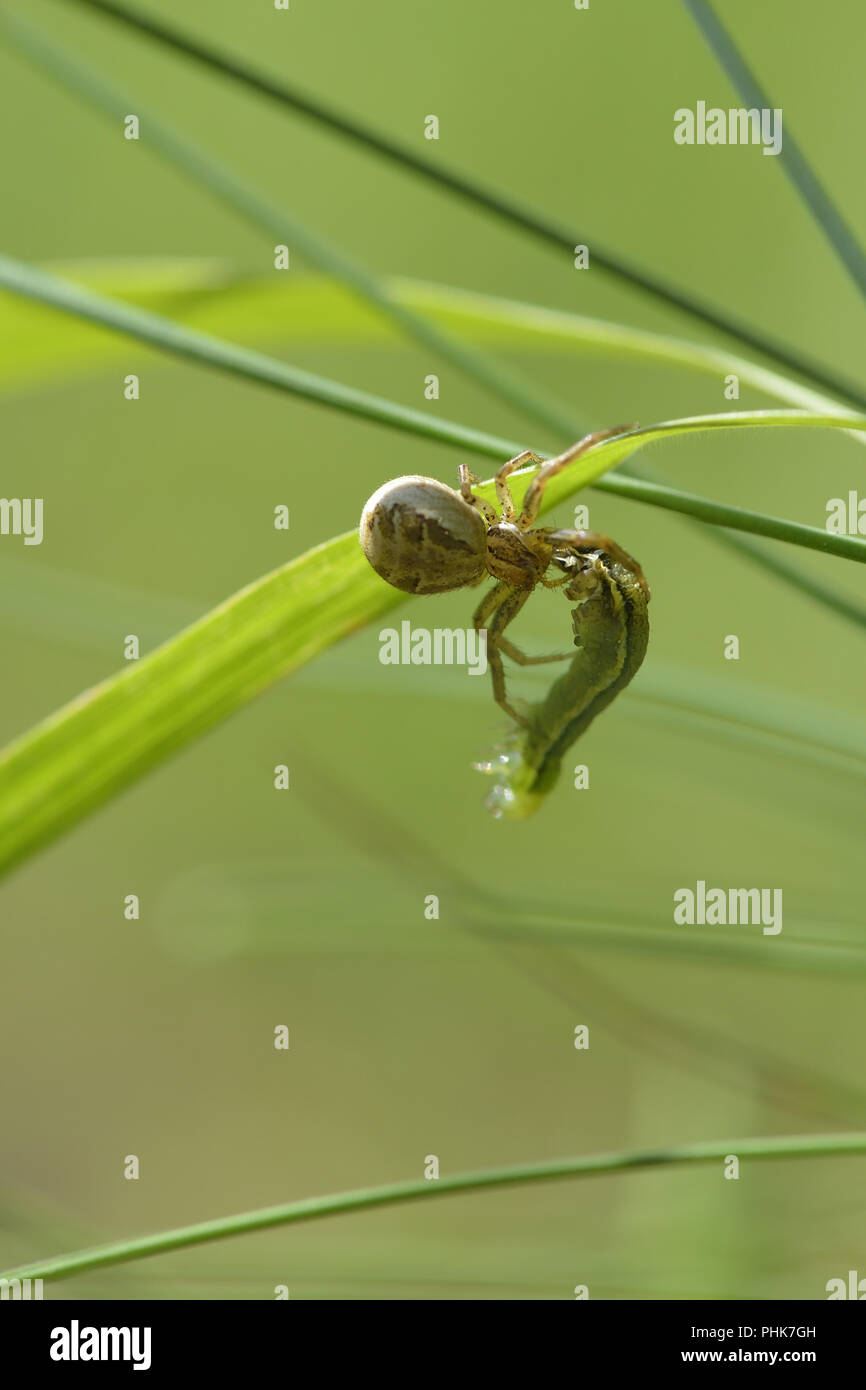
{"x":421,"y":536}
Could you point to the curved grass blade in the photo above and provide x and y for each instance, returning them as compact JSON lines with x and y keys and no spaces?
{"x":364,"y":1199}
{"x":496,"y":203}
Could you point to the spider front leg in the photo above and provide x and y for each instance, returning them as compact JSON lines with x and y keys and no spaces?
{"x":535,"y":491}
{"x":503,"y":491}
{"x":468,"y":480}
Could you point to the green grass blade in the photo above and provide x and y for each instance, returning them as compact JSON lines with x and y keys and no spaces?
{"x":364,"y":1199}
{"x":493,"y":202}
{"x":791,"y":157}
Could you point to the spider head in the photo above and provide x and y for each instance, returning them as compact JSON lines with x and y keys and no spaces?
{"x":509,"y":558}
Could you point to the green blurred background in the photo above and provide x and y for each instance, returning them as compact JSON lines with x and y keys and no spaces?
{"x":412,"y":1037}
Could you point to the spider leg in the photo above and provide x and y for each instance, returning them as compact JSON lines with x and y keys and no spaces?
{"x":489,"y":603}
{"x":503,"y":491}
{"x":523,"y":660}
{"x":497,"y":610}
{"x":535,"y":491}
{"x":467,"y":481}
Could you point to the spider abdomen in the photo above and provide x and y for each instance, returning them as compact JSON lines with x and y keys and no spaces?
{"x":422,"y":537}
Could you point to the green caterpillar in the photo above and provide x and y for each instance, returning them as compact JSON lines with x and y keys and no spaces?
{"x":611,"y":631}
